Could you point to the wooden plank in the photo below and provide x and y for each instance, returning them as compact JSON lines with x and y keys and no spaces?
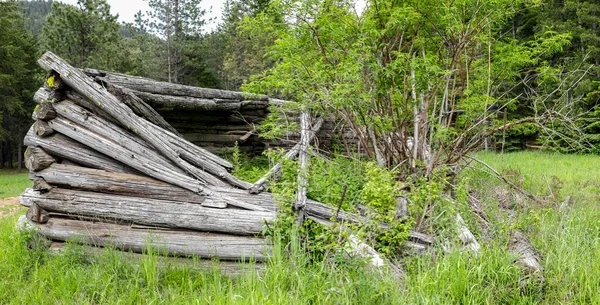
{"x":153,"y":212}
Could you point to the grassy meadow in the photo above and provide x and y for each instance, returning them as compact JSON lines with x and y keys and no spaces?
{"x":12,"y":183}
{"x":567,"y":239}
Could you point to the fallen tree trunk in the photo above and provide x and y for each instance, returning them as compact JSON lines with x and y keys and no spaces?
{"x":274,"y":171}
{"x":60,"y":146}
{"x":152,"y":212}
{"x":179,"y":243}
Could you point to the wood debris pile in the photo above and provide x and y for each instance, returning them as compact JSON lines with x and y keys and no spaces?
{"x":108,"y":170}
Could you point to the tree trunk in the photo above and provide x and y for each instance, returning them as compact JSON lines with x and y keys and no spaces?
{"x":150,"y":212}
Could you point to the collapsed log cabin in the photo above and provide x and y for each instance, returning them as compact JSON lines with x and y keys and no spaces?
{"x":117,"y":161}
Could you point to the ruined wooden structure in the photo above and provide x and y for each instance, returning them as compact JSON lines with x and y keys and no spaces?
{"x":111,"y":169}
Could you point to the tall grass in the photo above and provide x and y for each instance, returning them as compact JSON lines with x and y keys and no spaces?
{"x":568,"y":241}
{"x":12,"y":183}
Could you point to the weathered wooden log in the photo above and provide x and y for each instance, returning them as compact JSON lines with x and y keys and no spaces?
{"x":197,"y":155}
{"x":138,"y":106}
{"x":179,"y":243}
{"x":85,"y":86}
{"x":304,"y":160}
{"x":95,"y":180}
{"x":259,"y":185}
{"x":466,"y":236}
{"x":91,"y":107}
{"x":39,"y":184}
{"x":36,"y":158}
{"x":152,"y":212}
{"x":526,"y":255}
{"x":47,"y":95}
{"x":164,"y":102}
{"x":228,"y":268}
{"x":141,"y":162}
{"x":164,"y":88}
{"x":37,"y":214}
{"x":137,"y":160}
{"x":44,"y":111}
{"x":42,"y":128}
{"x":60,"y":146}
{"x":151,"y":133}
{"x":72,"y":112}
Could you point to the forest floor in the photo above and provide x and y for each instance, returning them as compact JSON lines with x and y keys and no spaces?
{"x":566,"y":236}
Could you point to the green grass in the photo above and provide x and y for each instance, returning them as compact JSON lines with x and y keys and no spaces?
{"x":568,"y":241}
{"x":13,"y":183}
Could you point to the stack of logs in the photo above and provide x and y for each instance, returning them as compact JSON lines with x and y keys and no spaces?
{"x":214,"y":119}
{"x":108,"y":170}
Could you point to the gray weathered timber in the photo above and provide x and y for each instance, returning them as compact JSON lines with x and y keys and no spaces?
{"x":180,"y":243}
{"x":42,"y":128}
{"x":152,"y":212}
{"x":122,"y":154}
{"x":47,"y":95}
{"x":86,"y":86}
{"x":140,"y":162}
{"x":275,"y":171}
{"x":526,"y":255}
{"x":164,"y":102}
{"x":148,"y":131}
{"x":91,"y":107}
{"x":138,"y":106}
{"x":228,"y":268}
{"x":197,"y":155}
{"x":72,"y":112}
{"x":36,"y":158}
{"x":44,"y":111}
{"x":95,"y":180}
{"x":156,"y":87}
{"x":63,"y":147}
{"x":37,"y":214}
{"x":304,"y":160}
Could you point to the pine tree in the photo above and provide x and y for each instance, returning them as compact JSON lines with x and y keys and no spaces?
{"x":17,"y":80}
{"x":86,"y":35}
